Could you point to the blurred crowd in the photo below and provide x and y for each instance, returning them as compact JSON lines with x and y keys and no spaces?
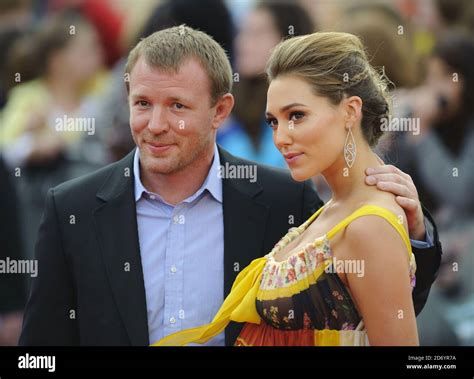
{"x":64,"y":111}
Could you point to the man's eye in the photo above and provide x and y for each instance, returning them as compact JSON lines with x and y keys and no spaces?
{"x":178,"y":105}
{"x":142,"y":103}
{"x":295,"y":116}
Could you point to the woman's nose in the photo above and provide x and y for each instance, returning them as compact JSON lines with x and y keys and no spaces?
{"x":282,"y":136}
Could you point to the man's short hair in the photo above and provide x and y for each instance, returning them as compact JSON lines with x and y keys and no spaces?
{"x":168,"y":49}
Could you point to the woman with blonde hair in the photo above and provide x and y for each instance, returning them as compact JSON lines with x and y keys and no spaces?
{"x":345,"y":276}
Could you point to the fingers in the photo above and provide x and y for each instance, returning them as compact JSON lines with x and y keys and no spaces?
{"x":409,"y":205}
{"x":396,"y":189}
{"x":386,"y":178}
{"x":393,"y":178}
{"x":389,"y":173}
{"x":386,"y":169}
{"x":415,"y":217}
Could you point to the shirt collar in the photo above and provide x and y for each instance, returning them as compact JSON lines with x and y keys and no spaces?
{"x":213,"y":182}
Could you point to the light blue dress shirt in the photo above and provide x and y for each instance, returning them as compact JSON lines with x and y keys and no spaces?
{"x":429,"y":237}
{"x":182,"y":252}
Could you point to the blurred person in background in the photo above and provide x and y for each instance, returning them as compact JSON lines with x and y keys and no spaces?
{"x":246,"y":133}
{"x":62,"y":61}
{"x":63,"y":58}
{"x":432,"y":19}
{"x":450,"y":14}
{"x":16,"y":18}
{"x":15,"y":21}
{"x":106,"y":16}
{"x":440,"y":158}
{"x":390,"y":49}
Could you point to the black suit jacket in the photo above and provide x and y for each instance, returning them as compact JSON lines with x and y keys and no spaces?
{"x":83,"y":295}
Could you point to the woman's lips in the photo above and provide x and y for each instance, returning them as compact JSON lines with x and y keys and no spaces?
{"x":158,"y":148}
{"x":292,"y":157}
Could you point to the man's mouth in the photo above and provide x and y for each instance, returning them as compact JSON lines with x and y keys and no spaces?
{"x":157,"y":148}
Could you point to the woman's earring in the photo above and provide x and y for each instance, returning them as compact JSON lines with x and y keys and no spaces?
{"x":350,"y":148}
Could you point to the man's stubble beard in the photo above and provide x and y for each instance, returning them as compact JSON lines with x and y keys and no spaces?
{"x":183,"y":161}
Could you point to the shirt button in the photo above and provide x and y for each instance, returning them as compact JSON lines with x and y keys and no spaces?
{"x":172,"y":320}
{"x":173,"y":269}
{"x":176,"y":219}
{"x":153,"y":197}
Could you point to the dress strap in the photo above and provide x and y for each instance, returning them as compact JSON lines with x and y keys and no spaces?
{"x":377,"y":211}
{"x":238,"y":306}
{"x":315,"y":214}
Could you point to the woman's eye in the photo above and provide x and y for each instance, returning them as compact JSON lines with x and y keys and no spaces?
{"x":272,"y":122}
{"x":295,"y":116}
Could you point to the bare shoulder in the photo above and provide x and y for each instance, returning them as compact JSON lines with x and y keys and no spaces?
{"x":373,"y":234}
{"x":387,"y":201}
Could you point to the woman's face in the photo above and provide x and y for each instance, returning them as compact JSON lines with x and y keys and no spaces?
{"x":307,"y":129}
{"x":257,"y":37}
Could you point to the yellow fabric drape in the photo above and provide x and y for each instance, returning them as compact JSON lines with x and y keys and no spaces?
{"x":238,"y":306}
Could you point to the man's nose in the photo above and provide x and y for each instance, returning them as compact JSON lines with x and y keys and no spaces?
{"x":158,"y":122}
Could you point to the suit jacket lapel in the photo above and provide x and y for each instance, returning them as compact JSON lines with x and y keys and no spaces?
{"x":116,"y":226}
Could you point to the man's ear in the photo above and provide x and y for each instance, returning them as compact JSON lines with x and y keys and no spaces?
{"x":222,"y":108}
{"x":353,"y":110}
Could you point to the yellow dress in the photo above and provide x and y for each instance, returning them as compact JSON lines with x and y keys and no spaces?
{"x":296,"y":302}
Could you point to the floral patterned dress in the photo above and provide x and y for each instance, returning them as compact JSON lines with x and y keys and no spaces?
{"x":303,"y":301}
{"x":300,"y":301}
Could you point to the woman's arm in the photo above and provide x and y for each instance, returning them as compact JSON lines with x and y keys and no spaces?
{"x":383,"y":293}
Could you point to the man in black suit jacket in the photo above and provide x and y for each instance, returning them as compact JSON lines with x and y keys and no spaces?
{"x":82,"y":295}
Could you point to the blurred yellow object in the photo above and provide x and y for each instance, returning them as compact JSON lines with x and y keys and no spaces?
{"x":423,"y":41}
{"x":29,"y":108}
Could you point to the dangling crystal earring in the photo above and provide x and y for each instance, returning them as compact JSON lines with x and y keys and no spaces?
{"x":350,"y":148}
